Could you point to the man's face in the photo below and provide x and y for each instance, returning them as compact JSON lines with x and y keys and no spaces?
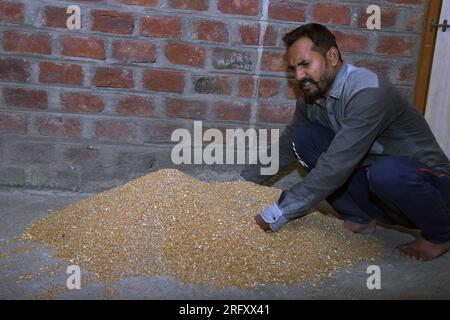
{"x":311,"y":68}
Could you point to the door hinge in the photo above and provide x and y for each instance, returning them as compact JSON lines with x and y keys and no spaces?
{"x":433,"y":25}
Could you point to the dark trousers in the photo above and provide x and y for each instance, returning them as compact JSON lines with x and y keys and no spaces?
{"x":393,"y":190}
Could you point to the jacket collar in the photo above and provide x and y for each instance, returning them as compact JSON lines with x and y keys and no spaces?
{"x":339,"y":81}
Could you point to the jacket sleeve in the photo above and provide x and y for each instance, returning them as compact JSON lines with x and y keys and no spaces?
{"x":367,"y":115}
{"x":286,"y":156}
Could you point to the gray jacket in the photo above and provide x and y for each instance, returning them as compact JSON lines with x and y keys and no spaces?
{"x":370,"y":118}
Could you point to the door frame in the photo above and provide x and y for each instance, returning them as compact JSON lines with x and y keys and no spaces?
{"x":425,"y":59}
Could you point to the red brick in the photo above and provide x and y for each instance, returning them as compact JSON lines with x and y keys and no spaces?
{"x":276,"y":113}
{"x":246,"y":87}
{"x":242,"y":7}
{"x":55,"y":17}
{"x":414,"y":21}
{"x":212,"y":85}
{"x":81,"y":155}
{"x":268,"y":88}
{"x":59,"y":127}
{"x":115,"y":130}
{"x":183,"y":108}
{"x":212,"y":31}
{"x":223,"y":58}
{"x":293,"y":90}
{"x":134,"y":51}
{"x":378,"y":66}
{"x":198,"y":5}
{"x":113,"y":78}
{"x":250,"y":35}
{"x":112,"y":21}
{"x":14,"y":69}
{"x":31,"y":152}
{"x":159,"y":131}
{"x":407,"y":72}
{"x":232,"y":111}
{"x":395,"y":45}
{"x":161,"y":80}
{"x":406,"y":1}
{"x":331,"y":13}
{"x":178,"y":53}
{"x":11,"y":12}
{"x":86,"y":47}
{"x":161,"y":26}
{"x":13,"y":124}
{"x":136,"y":106}
{"x":274,"y":62}
{"x":25,"y":42}
{"x":25,"y":98}
{"x":144,"y":3}
{"x":82,"y":102}
{"x":60,"y":73}
{"x":388,"y":17}
{"x":351,"y":42}
{"x":287,"y":11}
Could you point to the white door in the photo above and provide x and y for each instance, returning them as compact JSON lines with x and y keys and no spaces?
{"x":437,"y":111}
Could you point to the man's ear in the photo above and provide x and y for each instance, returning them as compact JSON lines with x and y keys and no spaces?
{"x":333,"y":56}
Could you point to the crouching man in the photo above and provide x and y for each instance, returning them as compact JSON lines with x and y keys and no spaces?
{"x":366,"y":149}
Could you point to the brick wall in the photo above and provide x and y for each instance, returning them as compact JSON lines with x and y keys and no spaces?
{"x":87,"y":109}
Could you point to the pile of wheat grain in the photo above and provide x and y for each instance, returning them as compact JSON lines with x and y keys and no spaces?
{"x":168,"y":223}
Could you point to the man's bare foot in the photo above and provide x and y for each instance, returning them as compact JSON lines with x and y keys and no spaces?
{"x":360,"y":228}
{"x":422,"y":249}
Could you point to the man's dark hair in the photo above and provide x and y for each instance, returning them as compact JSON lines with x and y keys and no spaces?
{"x":321,"y":37}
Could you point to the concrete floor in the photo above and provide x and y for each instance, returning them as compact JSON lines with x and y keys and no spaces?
{"x":26,"y":274}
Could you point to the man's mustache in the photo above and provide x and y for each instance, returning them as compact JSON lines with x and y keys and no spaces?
{"x":305,"y":81}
